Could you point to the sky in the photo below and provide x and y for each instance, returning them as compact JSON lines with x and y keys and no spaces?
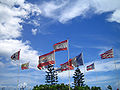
{"x":34,"y":26}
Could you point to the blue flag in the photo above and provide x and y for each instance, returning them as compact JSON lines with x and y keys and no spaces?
{"x":79,"y":59}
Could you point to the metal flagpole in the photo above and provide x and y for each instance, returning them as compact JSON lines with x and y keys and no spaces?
{"x":18,"y":75}
{"x":95,"y":72}
{"x":116,"y":70}
{"x":18,"y":71}
{"x":55,"y":66}
{"x":68,"y":64}
{"x":84,"y":67}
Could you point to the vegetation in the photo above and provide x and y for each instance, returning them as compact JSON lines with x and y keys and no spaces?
{"x":78,"y":78}
{"x":63,"y":87}
{"x":51,"y":77}
{"x":109,"y":87}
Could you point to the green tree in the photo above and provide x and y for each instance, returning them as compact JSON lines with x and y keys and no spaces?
{"x":95,"y":88}
{"x":109,"y":87}
{"x":78,"y":78}
{"x":51,"y":77}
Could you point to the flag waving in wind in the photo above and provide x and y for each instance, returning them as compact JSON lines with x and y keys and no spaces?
{"x":78,"y":60}
{"x":25,"y":66}
{"x":66,"y":66}
{"x":107,"y":54}
{"x":61,"y":46}
{"x":46,"y":59}
{"x":16,"y":56}
{"x":90,"y":67}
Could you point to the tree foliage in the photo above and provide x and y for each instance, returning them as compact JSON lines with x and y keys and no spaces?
{"x":51,"y":77}
{"x":63,"y":87}
{"x":109,"y":87}
{"x":78,"y":78}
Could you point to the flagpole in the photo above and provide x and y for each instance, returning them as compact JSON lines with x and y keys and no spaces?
{"x":18,"y":71}
{"x":55,"y":67}
{"x":95,"y":72}
{"x":116,"y":70}
{"x":68,"y":64}
{"x":18,"y":75}
{"x":84,"y":66}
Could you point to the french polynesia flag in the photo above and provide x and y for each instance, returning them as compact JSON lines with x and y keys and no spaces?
{"x":61,"y":46}
{"x":67,"y":66}
{"x":46,"y":59}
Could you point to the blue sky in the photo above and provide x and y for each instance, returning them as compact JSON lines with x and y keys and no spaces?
{"x":34,"y":26}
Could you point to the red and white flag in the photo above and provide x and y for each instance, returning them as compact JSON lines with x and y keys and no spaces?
{"x":16,"y":56}
{"x":67,"y":66}
{"x":107,"y":54}
{"x":61,"y":46}
{"x":46,"y":59}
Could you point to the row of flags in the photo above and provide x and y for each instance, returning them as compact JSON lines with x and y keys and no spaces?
{"x":16,"y":56}
{"x":49,"y":58}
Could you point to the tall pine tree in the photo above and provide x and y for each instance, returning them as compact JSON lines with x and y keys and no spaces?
{"x":51,"y":77}
{"x":78,"y":78}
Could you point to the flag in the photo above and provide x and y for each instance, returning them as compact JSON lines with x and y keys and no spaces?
{"x":58,"y":70}
{"x":107,"y":54}
{"x":46,"y":59}
{"x":90,"y":67}
{"x":77,"y":61}
{"x":25,"y":66}
{"x":67,"y":66}
{"x":61,"y":46}
{"x":16,"y":56}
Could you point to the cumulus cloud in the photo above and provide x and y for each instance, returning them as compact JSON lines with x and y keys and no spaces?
{"x":8,"y":47}
{"x":65,"y":10}
{"x":115,"y":17}
{"x":12,"y":16}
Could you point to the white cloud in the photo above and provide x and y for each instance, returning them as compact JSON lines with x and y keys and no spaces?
{"x":99,"y":78}
{"x":34,"y":31}
{"x":64,"y":11}
{"x":115,"y":16}
{"x":8,"y":47}
{"x":11,"y":17}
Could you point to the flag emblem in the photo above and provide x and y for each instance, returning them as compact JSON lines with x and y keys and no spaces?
{"x":61,"y":46}
{"x":25,"y":66}
{"x":16,"y":56}
{"x":46,"y":59}
{"x":107,"y":54}
{"x":90,"y":67}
